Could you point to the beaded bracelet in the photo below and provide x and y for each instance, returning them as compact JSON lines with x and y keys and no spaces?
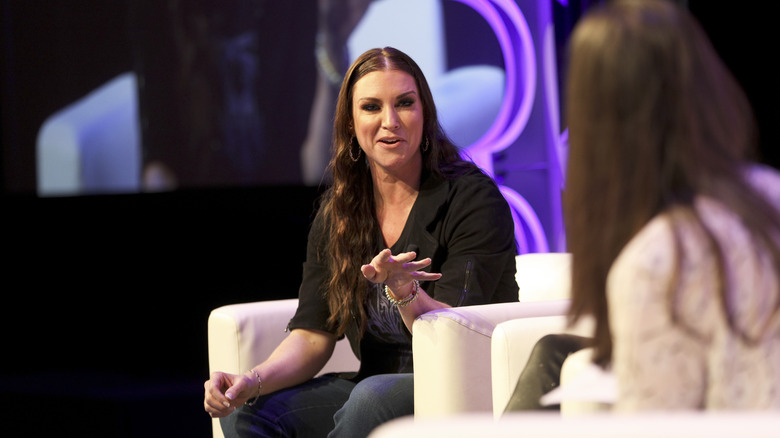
{"x":251,"y":402}
{"x":409,"y":299}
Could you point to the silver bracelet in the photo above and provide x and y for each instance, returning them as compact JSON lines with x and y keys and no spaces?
{"x":409,"y":299}
{"x":252,"y":401}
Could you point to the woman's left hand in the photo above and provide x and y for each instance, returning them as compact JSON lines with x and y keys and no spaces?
{"x":397,"y":271}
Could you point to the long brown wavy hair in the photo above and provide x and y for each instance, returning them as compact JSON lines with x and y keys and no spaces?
{"x":348,"y":205}
{"x":655,"y":119}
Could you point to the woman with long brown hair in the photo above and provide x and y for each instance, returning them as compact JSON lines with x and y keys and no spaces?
{"x":407,"y":227}
{"x":674,"y":231}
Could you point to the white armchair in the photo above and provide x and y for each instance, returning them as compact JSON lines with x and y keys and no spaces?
{"x":241,"y":336}
{"x":452,"y":347}
{"x":511,"y":347}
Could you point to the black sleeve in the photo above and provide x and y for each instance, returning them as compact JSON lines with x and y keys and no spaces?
{"x":313,"y":311}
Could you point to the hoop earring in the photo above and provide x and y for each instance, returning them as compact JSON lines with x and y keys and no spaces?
{"x":352,"y":156}
{"x":427,"y":145}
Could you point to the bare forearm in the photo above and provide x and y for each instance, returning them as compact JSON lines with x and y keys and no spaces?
{"x":297,"y":359}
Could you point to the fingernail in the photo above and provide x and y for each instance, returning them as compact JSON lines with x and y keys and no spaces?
{"x":226,"y":404}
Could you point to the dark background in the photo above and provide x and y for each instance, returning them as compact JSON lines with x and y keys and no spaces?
{"x":105,"y":298}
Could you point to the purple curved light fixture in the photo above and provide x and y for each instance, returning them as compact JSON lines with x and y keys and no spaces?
{"x":514,"y":37}
{"x":520,"y":65}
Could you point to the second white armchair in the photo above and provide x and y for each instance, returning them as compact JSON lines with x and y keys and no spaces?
{"x":457,"y":350}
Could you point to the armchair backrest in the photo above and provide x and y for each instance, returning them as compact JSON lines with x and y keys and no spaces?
{"x":544,"y":276}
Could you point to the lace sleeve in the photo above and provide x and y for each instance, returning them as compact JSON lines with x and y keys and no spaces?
{"x":657,"y":364}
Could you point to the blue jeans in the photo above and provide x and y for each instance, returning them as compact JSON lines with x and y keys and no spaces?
{"x":327,"y":406}
{"x":375,"y":400}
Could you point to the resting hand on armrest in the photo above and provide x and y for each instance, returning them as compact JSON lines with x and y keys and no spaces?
{"x":298,"y":358}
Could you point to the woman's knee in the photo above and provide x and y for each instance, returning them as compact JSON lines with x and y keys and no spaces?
{"x":384,"y":393}
{"x":557,"y":347}
{"x":374,"y":401}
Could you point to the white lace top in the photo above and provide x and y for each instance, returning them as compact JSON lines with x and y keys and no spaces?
{"x":662,"y":364}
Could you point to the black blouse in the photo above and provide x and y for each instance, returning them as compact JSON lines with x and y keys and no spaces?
{"x":465,"y":226}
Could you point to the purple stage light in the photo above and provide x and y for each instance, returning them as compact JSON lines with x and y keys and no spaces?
{"x":514,"y":36}
{"x":520,"y":66}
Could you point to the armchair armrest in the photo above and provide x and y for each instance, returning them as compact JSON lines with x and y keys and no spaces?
{"x":585,"y":387}
{"x":511,"y":347}
{"x":452,"y":357}
{"x":241,"y":336}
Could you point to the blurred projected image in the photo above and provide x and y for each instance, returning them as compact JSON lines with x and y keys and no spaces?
{"x":228,"y":93}
{"x":227,"y":90}
{"x":241,"y":92}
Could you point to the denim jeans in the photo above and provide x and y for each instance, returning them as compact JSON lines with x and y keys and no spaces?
{"x":327,"y":406}
{"x":374,"y":401}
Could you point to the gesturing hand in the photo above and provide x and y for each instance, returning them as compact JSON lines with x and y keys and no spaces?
{"x":397,"y":271}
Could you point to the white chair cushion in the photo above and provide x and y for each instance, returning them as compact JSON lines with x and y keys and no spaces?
{"x":544,"y":276}
{"x":604,"y":425}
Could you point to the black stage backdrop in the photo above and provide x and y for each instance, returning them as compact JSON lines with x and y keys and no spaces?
{"x":106,"y":297}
